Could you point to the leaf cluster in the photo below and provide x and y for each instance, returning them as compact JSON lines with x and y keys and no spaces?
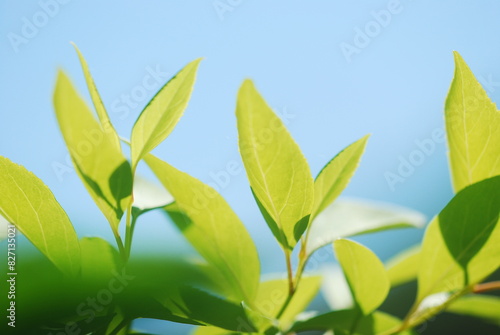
{"x":224,"y":293}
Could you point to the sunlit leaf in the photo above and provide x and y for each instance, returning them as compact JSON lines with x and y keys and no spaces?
{"x":96,"y":100}
{"x":365,"y":274}
{"x":273,"y":293}
{"x":29,"y":204}
{"x":162,"y":113}
{"x":277,"y":171}
{"x":209,"y":309}
{"x":335,"y":176}
{"x":212,"y":331}
{"x":100,"y":164}
{"x":461,"y":245}
{"x":404,"y":267}
{"x":349,"y":322}
{"x":213,"y":229}
{"x":485,"y":307}
{"x":350,"y":217}
{"x":472,"y":123}
{"x":99,"y":259}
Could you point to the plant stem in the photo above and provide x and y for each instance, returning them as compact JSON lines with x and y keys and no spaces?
{"x":355,"y":323}
{"x":302,"y":264}
{"x":486,"y":287}
{"x":119,"y":243}
{"x":129,"y":231}
{"x":285,"y":305}
{"x":289,"y":269}
{"x":291,"y":287}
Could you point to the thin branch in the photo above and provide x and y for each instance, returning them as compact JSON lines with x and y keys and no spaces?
{"x":486,"y":287}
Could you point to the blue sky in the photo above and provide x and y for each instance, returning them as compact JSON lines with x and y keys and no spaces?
{"x":391,"y":83}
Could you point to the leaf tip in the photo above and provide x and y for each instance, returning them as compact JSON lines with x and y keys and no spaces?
{"x":458,"y":59}
{"x":61,"y":76}
{"x":247,"y":84}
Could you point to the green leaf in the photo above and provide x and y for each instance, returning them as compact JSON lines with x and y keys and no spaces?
{"x":99,"y":259}
{"x":212,"y":331}
{"x":29,"y":204}
{"x":485,"y":307}
{"x":209,"y":309}
{"x":162,"y":113}
{"x":349,"y":322}
{"x":154,"y":285}
{"x":365,"y":274}
{"x":100,"y":164}
{"x":462,"y":244}
{"x":335,"y":176}
{"x":404,"y":267}
{"x":472,"y":123}
{"x":350,"y":217}
{"x":277,"y":171}
{"x":96,"y":99}
{"x":213,"y":229}
{"x":273,"y":293}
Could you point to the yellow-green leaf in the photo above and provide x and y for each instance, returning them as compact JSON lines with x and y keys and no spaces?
{"x":213,"y":229}
{"x":29,"y":204}
{"x":485,"y":307}
{"x":212,"y":331}
{"x":162,"y":113}
{"x":365,"y":274}
{"x":273,"y":294}
{"x":461,"y":245}
{"x":106,"y":124}
{"x":335,"y":176}
{"x":472,"y":124}
{"x":348,"y":321}
{"x":98,"y":161}
{"x":277,"y":171}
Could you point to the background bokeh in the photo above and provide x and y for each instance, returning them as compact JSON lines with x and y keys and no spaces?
{"x":308,"y":58}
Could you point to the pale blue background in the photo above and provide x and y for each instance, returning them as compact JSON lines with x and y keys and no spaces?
{"x":394,"y":89}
